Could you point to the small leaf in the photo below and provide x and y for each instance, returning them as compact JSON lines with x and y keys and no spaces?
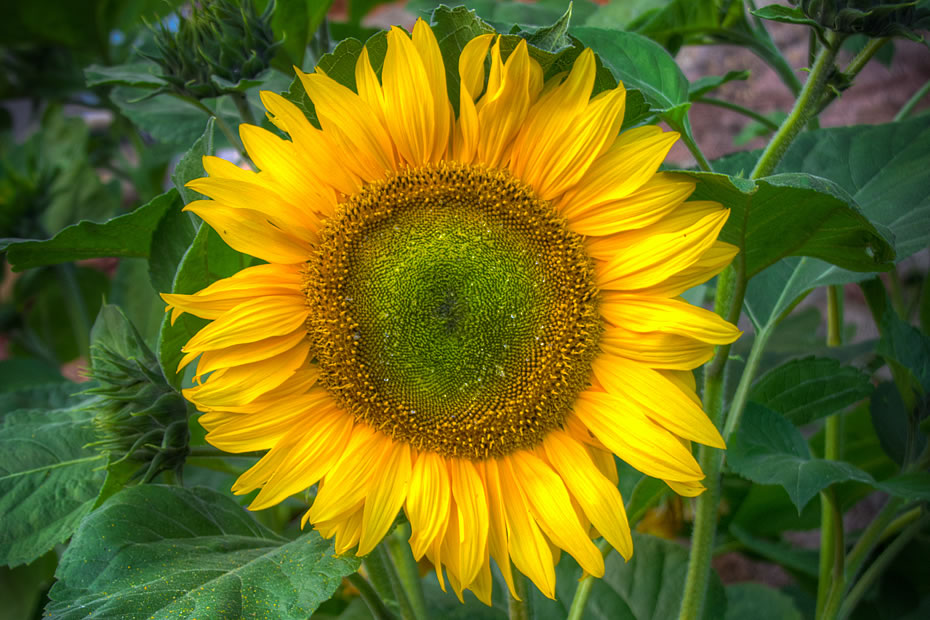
{"x":553,"y":38}
{"x":811,"y":388}
{"x":190,"y":166}
{"x":127,"y":235}
{"x":706,"y":84}
{"x":788,"y":15}
{"x":769,"y":450}
{"x":168,"y":551}
{"x":138,"y":74}
{"x":889,"y":417}
{"x":794,"y":215}
{"x":760,"y":602}
{"x":49,"y":480}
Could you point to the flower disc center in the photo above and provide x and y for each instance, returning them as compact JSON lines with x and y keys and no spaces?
{"x":453,"y":310}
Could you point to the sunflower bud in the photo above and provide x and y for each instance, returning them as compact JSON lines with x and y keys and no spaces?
{"x":870,"y":17}
{"x":220,"y":44}
{"x":138,"y":416}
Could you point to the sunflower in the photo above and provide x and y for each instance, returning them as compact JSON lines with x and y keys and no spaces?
{"x":464,"y":317}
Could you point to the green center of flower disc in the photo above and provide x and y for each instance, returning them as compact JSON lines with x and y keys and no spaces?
{"x":453,"y":310}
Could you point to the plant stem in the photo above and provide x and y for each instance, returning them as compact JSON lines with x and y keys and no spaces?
{"x":233,"y":140}
{"x":878,"y":567}
{"x":368,"y":594}
{"x":908,"y":107}
{"x":378,"y":575}
{"x":582,"y":592}
{"x":855,"y":66}
{"x":385,"y":563}
{"x":808,"y":102}
{"x":245,"y":110}
{"x":695,"y":150}
{"x":519,"y":609}
{"x":720,"y":103}
{"x":731,"y":289}
{"x":745,"y":381}
{"x":408,"y":572}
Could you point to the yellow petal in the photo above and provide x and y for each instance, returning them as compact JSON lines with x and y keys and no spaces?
{"x":529,"y":549}
{"x":657,"y":349}
{"x":711,"y":262}
{"x":314,"y":148}
{"x":629,"y":434}
{"x":247,"y":353}
{"x":471,"y":64}
{"x":656,"y":198}
{"x":597,"y":496}
{"x":348,"y":482}
{"x":387,"y":494}
{"x":250,"y":232}
{"x":504,"y":106}
{"x":472,"y":511}
{"x":425,"y":43}
{"x":631,"y":162}
{"x":652,"y":259}
{"x":224,"y":295}
{"x":428,"y":501}
{"x":362,"y":143}
{"x":551,"y":506}
{"x":368,"y":86}
{"x":251,"y":321}
{"x":409,"y":106}
{"x":649,"y":314}
{"x":659,"y":397}
{"x":497,"y":528}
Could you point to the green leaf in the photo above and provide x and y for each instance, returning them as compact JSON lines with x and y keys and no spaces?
{"x":889,"y":417}
{"x":172,"y":237}
{"x":128,"y":235}
{"x":767,"y":449}
{"x":649,"y":586}
{"x":190,"y":166}
{"x":16,"y":374}
{"x":906,"y":345}
{"x":766,"y":510}
{"x":132,"y":291}
{"x":207,"y":260}
{"x":553,"y":38}
{"x":453,"y":29}
{"x":159,"y":551}
{"x":794,"y":215}
{"x":167,"y":118}
{"x":639,"y":63}
{"x":646,"y":494}
{"x":138,"y":74}
{"x":706,"y":84}
{"x":788,"y":15}
{"x":49,"y":480}
{"x":885,"y":168}
{"x":55,"y":395}
{"x":23,"y":588}
{"x":811,"y":388}
{"x":760,"y":602}
{"x":295,"y":23}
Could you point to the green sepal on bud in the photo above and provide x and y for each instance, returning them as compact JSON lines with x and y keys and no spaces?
{"x":218,"y":49}
{"x":138,"y":416}
{"x":873,"y":18}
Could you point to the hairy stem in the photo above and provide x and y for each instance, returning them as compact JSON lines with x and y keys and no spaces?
{"x":371,"y":598}
{"x":807,"y":104}
{"x":908,"y":107}
{"x":408,"y":572}
{"x":519,"y":609}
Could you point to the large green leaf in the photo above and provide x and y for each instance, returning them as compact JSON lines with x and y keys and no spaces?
{"x":906,"y":345}
{"x":767,"y":449}
{"x":795,"y":559}
{"x":190,"y":165}
{"x":142,"y":74}
{"x":207,"y":260}
{"x":128,"y":235}
{"x":811,"y":388}
{"x":167,"y":118}
{"x":49,"y":480}
{"x":165,"y":552}
{"x":794,"y":215}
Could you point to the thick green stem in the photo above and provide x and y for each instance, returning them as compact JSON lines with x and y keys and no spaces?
{"x":695,"y":150}
{"x":832,"y":545}
{"x":376,"y":566}
{"x":519,"y":608}
{"x":745,"y":381}
{"x":856,"y":65}
{"x":731,"y":289}
{"x":371,"y":598}
{"x":759,"y":118}
{"x":878,"y":567}
{"x":582,"y":592}
{"x":407,"y":570}
{"x":807,"y":104}
{"x":908,"y":107}
{"x":245,"y":110}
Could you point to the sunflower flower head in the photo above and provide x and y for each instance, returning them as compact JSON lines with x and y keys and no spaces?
{"x":219,"y":44}
{"x":462,"y":316}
